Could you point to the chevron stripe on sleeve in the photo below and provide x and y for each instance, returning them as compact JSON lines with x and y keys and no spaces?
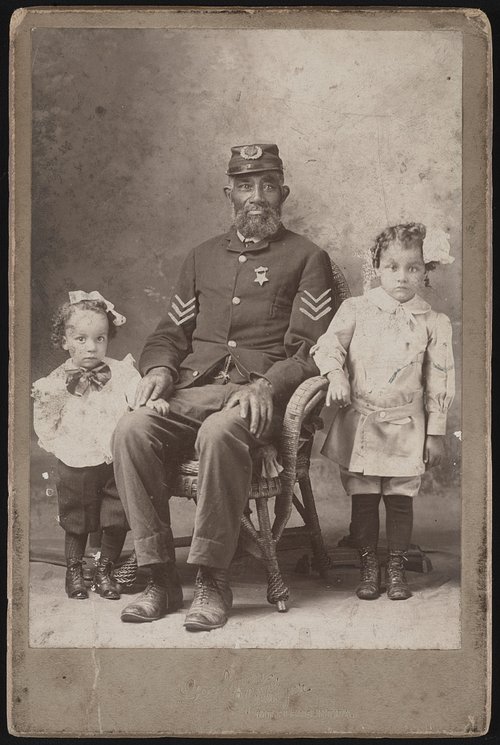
{"x":316,"y":307}
{"x":182,"y":311}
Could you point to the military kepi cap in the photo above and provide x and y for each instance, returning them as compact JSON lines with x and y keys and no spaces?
{"x":253,"y":159}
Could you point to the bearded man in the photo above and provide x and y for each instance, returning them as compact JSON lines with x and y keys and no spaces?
{"x":218,"y":372}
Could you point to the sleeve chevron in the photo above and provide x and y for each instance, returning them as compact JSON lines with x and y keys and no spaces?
{"x":170,"y":342}
{"x":315,"y":307}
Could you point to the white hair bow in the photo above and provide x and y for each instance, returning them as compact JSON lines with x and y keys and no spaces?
{"x":79,"y":295}
{"x":436,"y":247}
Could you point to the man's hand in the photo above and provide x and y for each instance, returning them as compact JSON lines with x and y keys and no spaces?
{"x":339,"y":390}
{"x":256,"y":403}
{"x":157,"y":383}
{"x":433,"y":450}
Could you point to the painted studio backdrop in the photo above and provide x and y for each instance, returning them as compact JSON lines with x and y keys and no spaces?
{"x":132,"y":132}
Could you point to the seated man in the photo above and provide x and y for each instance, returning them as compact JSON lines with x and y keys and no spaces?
{"x":231,"y":349}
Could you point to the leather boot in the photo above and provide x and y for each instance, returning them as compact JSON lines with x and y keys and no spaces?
{"x":104,"y":582}
{"x":163,"y":594}
{"x":212,"y":600}
{"x":397,"y":586}
{"x":369,"y":586}
{"x":75,"y":584}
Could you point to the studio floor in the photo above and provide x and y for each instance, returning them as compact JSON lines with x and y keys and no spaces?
{"x":320,"y":614}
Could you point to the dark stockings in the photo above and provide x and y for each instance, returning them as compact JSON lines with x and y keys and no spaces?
{"x":74,"y":546}
{"x":365,"y":520}
{"x":112,"y":543}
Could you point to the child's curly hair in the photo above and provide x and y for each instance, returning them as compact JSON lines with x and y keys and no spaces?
{"x":63,"y":314}
{"x":411,"y":232}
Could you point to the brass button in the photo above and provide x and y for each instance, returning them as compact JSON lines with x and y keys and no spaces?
{"x":242,"y":258}
{"x":195,"y":373}
{"x":382,"y":414}
{"x":236,"y":301}
{"x":231,"y":343}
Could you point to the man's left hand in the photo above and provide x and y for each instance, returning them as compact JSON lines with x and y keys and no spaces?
{"x":256,"y":404}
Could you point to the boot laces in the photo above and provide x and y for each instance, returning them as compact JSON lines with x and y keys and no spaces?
{"x":204,"y":590}
{"x":152,"y":588}
{"x":104,"y":567}
{"x":75,"y":567}
{"x":369,"y":564}
{"x":395,"y":567}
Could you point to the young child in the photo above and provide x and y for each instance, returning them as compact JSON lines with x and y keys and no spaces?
{"x":388,"y":359}
{"x":76,"y":410}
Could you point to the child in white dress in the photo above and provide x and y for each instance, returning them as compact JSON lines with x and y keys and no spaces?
{"x":76,"y":410}
{"x":388,"y":359}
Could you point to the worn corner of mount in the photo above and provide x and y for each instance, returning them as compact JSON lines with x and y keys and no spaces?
{"x":479,"y":19}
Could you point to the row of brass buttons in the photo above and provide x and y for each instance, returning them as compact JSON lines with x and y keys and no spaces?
{"x":235,"y":301}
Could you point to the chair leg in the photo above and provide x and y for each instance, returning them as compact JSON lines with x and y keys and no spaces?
{"x":277,"y":591}
{"x":126,"y":574}
{"x":322,"y":561}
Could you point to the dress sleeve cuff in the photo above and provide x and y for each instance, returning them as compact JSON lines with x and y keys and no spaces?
{"x":335,"y":375}
{"x":436,"y":423}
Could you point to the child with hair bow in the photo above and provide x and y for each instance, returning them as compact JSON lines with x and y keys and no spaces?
{"x":76,"y":408}
{"x":389,"y":362}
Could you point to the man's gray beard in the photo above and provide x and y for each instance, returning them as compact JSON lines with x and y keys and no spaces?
{"x":257,"y":226}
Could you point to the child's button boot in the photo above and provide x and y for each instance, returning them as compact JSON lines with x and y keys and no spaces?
{"x":369,"y":586}
{"x":104,"y":583}
{"x":397,"y":586}
{"x":75,"y":583}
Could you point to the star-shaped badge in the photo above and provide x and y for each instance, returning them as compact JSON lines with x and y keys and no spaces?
{"x":261,"y":275}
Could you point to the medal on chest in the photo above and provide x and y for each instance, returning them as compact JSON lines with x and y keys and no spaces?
{"x":261,"y":275}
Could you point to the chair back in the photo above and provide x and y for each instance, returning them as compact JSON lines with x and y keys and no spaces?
{"x":340,"y":288}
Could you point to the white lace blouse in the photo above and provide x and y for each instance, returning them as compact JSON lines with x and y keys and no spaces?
{"x":78,"y":429}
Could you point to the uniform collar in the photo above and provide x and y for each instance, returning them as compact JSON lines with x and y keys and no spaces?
{"x":235,"y":244}
{"x":379,"y":297}
{"x":246,"y":240}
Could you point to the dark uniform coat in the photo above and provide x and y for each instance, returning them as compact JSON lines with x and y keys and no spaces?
{"x":264,"y":304}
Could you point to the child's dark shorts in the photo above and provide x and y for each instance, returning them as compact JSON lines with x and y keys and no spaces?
{"x":88,"y":499}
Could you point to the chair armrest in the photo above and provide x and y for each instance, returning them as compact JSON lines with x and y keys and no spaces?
{"x":305,"y":399}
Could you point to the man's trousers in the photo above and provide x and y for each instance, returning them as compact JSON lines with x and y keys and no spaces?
{"x":147,"y":446}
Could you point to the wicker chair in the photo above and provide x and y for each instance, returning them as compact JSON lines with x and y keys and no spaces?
{"x":294,"y":449}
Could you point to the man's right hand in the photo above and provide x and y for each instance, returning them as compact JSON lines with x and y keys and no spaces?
{"x":157,"y":383}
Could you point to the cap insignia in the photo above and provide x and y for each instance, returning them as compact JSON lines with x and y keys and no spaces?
{"x":251,"y":152}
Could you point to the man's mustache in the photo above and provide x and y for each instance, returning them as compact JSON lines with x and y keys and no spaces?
{"x":263,"y":223}
{"x":265,"y":209}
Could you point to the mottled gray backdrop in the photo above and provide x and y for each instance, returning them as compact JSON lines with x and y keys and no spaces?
{"x":131,"y":136}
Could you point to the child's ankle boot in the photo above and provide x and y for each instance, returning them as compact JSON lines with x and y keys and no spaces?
{"x":369,"y":586}
{"x":397,"y":586}
{"x":104,"y":583}
{"x":75,"y":583}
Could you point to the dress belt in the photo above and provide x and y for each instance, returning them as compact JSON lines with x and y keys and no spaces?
{"x":389,"y":413}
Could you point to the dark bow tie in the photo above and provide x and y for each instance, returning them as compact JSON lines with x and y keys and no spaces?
{"x":78,"y":380}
